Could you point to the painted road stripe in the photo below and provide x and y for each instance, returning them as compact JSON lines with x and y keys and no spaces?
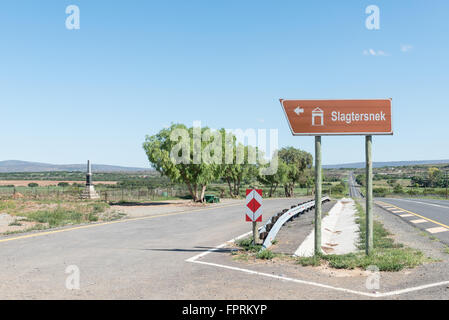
{"x":397,"y":211}
{"x":195,"y":258}
{"x":422,"y":217}
{"x":437,"y":230}
{"x":418,"y":221}
{"x":406,"y":215}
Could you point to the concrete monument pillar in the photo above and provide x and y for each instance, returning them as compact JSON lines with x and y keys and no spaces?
{"x":89,"y":191}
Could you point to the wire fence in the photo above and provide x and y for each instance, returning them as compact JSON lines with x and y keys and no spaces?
{"x":108,"y":195}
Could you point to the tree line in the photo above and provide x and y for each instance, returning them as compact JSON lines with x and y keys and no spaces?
{"x":294,"y":166}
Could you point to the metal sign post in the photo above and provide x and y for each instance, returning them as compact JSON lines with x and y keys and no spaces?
{"x":254,"y":210}
{"x":318,"y":191}
{"x":340,"y":117}
{"x":369,"y":196}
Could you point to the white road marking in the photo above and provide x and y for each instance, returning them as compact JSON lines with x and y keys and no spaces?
{"x":316,"y":284}
{"x":406,"y":215}
{"x":397,"y":211}
{"x":437,"y":230}
{"x":195,"y":258}
{"x":426,"y":203}
{"x":418,"y":221}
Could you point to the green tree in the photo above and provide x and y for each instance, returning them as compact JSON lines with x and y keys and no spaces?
{"x":433,"y":175}
{"x":242,"y":168}
{"x":361,"y":179}
{"x":398,"y":188}
{"x":307,"y":180}
{"x":185,"y":155}
{"x":297,"y":162}
{"x":339,"y":188}
{"x":275,"y":180}
{"x":392,"y":182}
{"x":33,"y":185}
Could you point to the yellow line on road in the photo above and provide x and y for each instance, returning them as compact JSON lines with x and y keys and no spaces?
{"x":418,"y":215}
{"x":39,"y":234}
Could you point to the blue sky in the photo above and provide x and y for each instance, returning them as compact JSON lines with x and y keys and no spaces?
{"x":137,"y":66}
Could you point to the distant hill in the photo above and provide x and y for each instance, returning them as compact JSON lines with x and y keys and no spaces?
{"x":358,"y":165}
{"x":25,"y":166}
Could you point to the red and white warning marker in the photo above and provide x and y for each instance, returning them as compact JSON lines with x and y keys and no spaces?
{"x":254,"y":205}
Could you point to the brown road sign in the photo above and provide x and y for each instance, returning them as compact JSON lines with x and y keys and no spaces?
{"x":338,"y":117}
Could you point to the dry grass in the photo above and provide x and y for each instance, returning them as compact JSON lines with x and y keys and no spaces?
{"x":50,"y":214}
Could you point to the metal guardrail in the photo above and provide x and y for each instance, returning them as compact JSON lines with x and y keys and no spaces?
{"x":271,"y":228}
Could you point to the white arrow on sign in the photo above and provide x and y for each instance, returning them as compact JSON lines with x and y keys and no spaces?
{"x":299,"y":110}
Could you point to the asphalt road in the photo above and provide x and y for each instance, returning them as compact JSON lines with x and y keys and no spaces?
{"x":431,"y":216}
{"x":135,"y":259}
{"x":354,"y":191}
{"x":146,"y":258}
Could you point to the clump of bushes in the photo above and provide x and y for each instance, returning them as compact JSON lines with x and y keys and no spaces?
{"x":380,"y":192}
{"x":339,"y":188}
{"x":398,"y":188}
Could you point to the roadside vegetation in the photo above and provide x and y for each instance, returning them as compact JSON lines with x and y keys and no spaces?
{"x":387,"y":254}
{"x":233,"y":169}
{"x":412,"y":181}
{"x":247,"y":249}
{"x":39,"y":215}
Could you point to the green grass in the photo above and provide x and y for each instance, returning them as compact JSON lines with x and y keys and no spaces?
{"x":265,"y":254}
{"x":57,"y":217}
{"x":248,"y":249}
{"x":248,"y":245}
{"x":314,"y":261}
{"x":387,"y":255}
{"x":8,"y":205}
{"x":51,"y":214}
{"x":391,"y":259}
{"x":75,"y":215}
{"x":380,"y":234}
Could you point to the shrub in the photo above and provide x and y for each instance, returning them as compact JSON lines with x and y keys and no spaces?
{"x":398,"y":189}
{"x":33,"y":185}
{"x":248,"y":245}
{"x":57,"y":217}
{"x":380,"y":192}
{"x":338,"y":189}
{"x":265,"y":254}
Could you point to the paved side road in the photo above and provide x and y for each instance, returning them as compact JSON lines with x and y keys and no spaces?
{"x":135,"y":259}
